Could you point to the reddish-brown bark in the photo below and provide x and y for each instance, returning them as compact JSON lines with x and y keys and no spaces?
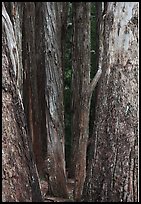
{"x":19,"y":176}
{"x":82,"y":90}
{"x":53,"y":52}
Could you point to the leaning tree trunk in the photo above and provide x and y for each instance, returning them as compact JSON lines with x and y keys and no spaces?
{"x":19,"y":176}
{"x":113,"y":172}
{"x":54,"y":97}
{"x":82,"y":90}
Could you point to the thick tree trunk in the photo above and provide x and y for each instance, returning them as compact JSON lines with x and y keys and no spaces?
{"x":82,"y":91}
{"x":19,"y":175}
{"x":54,"y":98}
{"x":113,"y":172}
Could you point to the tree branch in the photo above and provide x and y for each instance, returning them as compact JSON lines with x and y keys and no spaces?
{"x":95,"y":80}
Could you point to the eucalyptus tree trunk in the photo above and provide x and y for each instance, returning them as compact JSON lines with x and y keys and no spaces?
{"x":81,"y":92}
{"x":113,"y":172}
{"x":53,"y":35}
{"x":19,"y":175}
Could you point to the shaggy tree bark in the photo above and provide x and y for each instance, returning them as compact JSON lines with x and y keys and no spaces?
{"x":43,"y":61}
{"x":19,"y":175}
{"x":15,"y":12}
{"x":82,"y":90}
{"x":30,"y":86}
{"x":55,"y":160}
{"x":113,"y":172}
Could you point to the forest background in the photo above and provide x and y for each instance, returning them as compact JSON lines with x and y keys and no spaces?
{"x":70,"y":101}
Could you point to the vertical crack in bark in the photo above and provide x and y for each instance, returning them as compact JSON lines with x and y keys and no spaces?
{"x":114,"y":168}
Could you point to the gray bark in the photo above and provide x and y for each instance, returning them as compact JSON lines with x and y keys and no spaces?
{"x":113,"y":172}
{"x":15,"y":12}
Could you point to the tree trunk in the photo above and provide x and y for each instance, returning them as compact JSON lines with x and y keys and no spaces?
{"x":80,"y":82}
{"x":41,"y":77}
{"x":113,"y":172}
{"x":15,"y":11}
{"x":19,"y":175}
{"x":82,"y":91}
{"x":54,"y":97}
{"x":30,"y":94}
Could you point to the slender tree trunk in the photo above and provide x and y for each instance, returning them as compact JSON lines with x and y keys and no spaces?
{"x":19,"y":175}
{"x":82,"y":91}
{"x":80,"y":82}
{"x":41,"y":77}
{"x":30,"y":95}
{"x":54,"y":98}
{"x":113,"y":172}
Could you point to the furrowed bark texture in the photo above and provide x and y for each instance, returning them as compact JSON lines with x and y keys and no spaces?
{"x":54,"y":98}
{"x":19,"y":175}
{"x":41,"y":76}
{"x":80,"y":93}
{"x":30,"y":93}
{"x":15,"y":11}
{"x":113,"y":174}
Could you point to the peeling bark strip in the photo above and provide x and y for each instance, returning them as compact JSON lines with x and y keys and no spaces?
{"x":15,"y":11}
{"x":11,"y":40}
{"x":82,"y":90}
{"x":113,"y":172}
{"x":19,"y":176}
{"x":95,"y":80}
